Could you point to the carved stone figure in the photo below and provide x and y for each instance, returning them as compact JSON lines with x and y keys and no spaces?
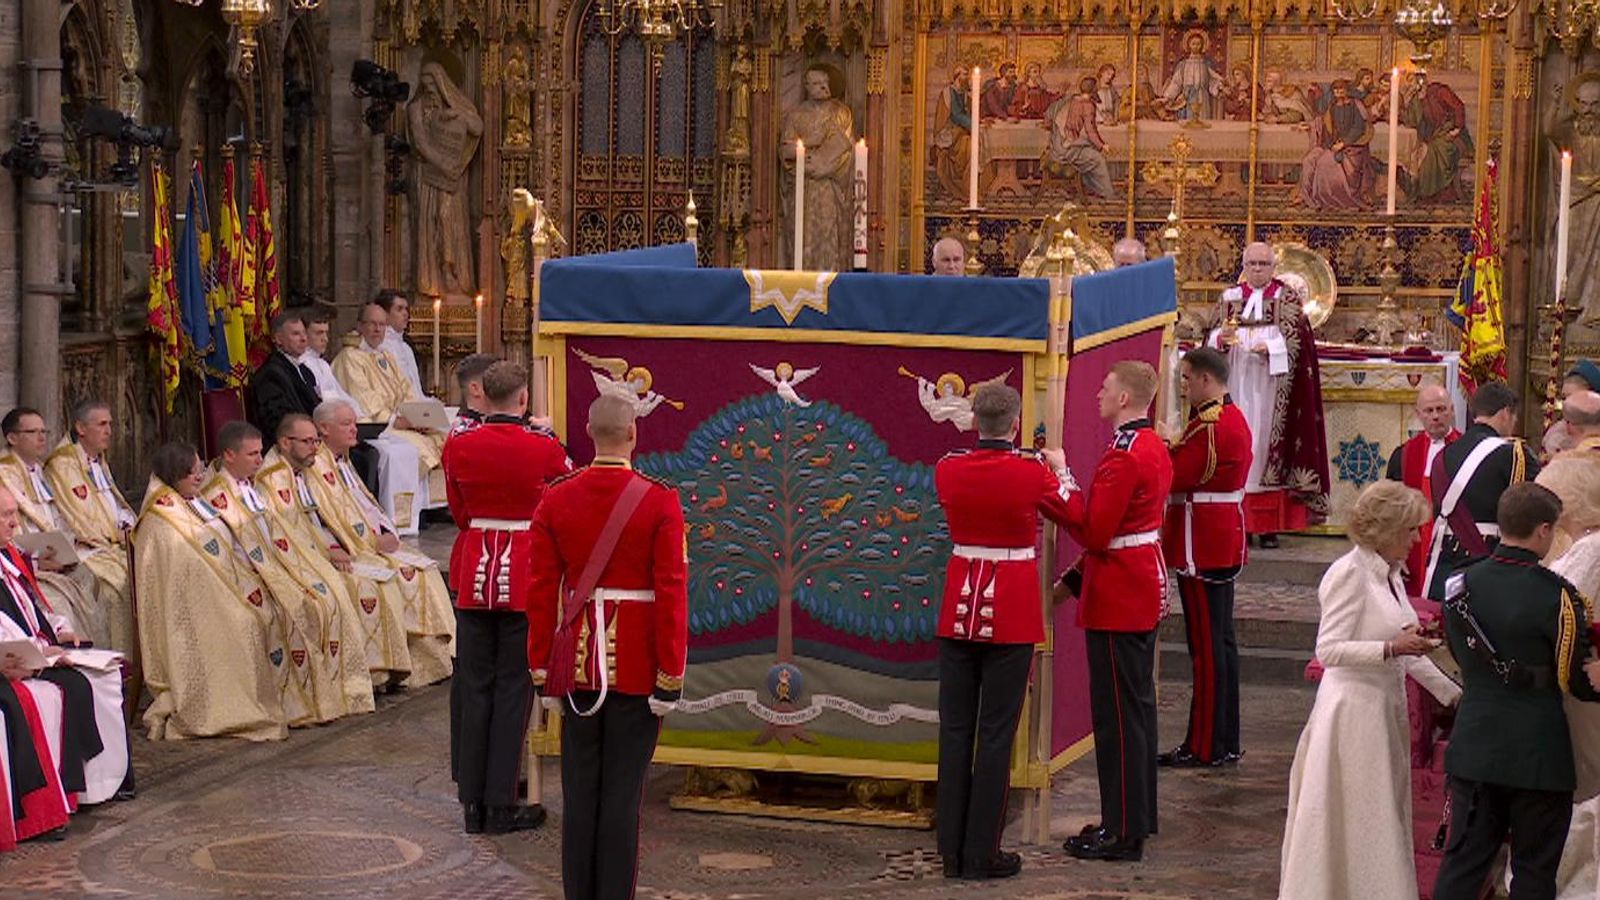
{"x":827,"y":128}
{"x":514,"y":246}
{"x":1574,"y":124}
{"x":445,"y":130}
{"x":737,"y":141}
{"x":516,"y":86}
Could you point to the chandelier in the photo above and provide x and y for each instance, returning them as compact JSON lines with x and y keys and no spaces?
{"x":1574,"y":20}
{"x":248,"y":15}
{"x":1423,"y":24}
{"x":658,"y":22}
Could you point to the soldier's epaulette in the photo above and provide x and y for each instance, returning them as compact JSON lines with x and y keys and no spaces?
{"x":566,"y":476}
{"x":1211,"y":414}
{"x":1559,"y":580}
{"x":1124,"y":440}
{"x":1028,"y":453}
{"x":659,"y":482}
{"x":959,"y":451}
{"x":541,"y":430}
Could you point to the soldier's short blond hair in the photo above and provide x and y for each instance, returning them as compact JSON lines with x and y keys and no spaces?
{"x":609,"y":419}
{"x":996,"y":407}
{"x":1138,"y":379}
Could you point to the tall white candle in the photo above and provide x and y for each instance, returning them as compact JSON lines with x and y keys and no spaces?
{"x":438,"y":373}
{"x":1394,"y":134}
{"x":858,"y":260}
{"x":1562,"y":223}
{"x":478,"y":321}
{"x":972,"y":154}
{"x":799,"y":204}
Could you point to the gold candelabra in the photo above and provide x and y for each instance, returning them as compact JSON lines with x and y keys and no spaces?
{"x":1423,"y":23}
{"x":1386,"y":323}
{"x":974,"y":265}
{"x":658,"y":22}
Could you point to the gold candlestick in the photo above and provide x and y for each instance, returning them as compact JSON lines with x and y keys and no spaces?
{"x":974,"y":265}
{"x":1386,"y":322}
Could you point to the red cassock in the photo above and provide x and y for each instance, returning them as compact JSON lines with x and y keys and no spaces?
{"x":992,"y":498}
{"x":1210,"y":463}
{"x":1415,"y":473}
{"x":1117,"y":521}
{"x":495,"y":474}
{"x":643,"y":588}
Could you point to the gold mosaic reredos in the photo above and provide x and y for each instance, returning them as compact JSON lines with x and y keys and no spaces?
{"x":301,"y":855}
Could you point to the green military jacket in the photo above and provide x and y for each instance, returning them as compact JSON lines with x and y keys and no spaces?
{"x":1517,"y":736}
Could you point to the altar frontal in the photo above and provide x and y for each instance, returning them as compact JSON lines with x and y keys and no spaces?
{"x":801,"y":414}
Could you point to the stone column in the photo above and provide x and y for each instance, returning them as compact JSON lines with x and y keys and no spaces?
{"x":10,"y":302}
{"x":39,"y":350}
{"x":356,"y":175}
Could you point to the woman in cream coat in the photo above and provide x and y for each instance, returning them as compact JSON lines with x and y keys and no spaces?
{"x":1348,"y":832}
{"x":1576,"y":557}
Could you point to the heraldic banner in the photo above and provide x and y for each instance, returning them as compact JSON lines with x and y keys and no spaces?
{"x":801,"y":415}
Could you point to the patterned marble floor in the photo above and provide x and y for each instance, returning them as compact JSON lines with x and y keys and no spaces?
{"x":365,"y":808}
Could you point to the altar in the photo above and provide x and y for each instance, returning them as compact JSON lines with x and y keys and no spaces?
{"x":1369,"y":410}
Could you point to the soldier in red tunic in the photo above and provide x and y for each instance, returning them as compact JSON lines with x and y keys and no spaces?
{"x":608,"y":637}
{"x":469,"y":378}
{"x":989,"y":621}
{"x":495,"y":475}
{"x":1205,"y":544}
{"x":1117,"y":521}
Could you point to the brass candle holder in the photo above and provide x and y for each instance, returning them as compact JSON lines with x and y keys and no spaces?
{"x":974,"y":265}
{"x":1386,"y":321}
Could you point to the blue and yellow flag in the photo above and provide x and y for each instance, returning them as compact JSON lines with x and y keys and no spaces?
{"x":1476,"y":308}
{"x":228,"y":295}
{"x":194,"y":311}
{"x":161,"y":309}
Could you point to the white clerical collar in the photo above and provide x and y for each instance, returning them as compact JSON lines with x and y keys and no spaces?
{"x":251,"y":497}
{"x":40,"y":488}
{"x":371,"y":349}
{"x":348,"y":473}
{"x":97,"y":474}
{"x":19,"y":592}
{"x":304,"y":490}
{"x":1253,"y":303}
{"x":309,"y":355}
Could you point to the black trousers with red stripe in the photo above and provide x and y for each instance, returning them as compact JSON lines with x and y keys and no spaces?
{"x":1214,"y":651}
{"x":981,"y":692}
{"x":1122,"y":704}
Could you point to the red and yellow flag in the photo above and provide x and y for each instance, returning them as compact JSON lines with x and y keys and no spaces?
{"x":267,"y":302}
{"x":1476,"y":308}
{"x":226,"y":296}
{"x":161,"y":315}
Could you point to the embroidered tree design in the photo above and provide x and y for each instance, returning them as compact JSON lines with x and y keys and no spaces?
{"x":791,"y":506}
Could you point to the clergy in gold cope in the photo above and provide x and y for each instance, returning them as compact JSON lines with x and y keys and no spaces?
{"x":73,"y":590}
{"x":94,"y":511}
{"x":355,"y":520}
{"x":378,"y":604}
{"x":213,"y":638}
{"x":377,"y":381}
{"x":327,"y":666}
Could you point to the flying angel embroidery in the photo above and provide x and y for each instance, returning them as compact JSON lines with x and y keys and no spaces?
{"x":613,"y":377}
{"x":949,"y":399}
{"x":784,"y":378}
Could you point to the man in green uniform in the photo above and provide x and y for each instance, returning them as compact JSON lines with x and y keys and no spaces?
{"x":1521,"y":635}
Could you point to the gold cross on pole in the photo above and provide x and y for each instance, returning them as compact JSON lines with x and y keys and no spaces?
{"x":1180,"y":173}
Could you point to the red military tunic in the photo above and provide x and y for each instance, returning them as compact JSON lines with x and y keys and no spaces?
{"x":1205,"y":517}
{"x":992,"y":498}
{"x":647,"y":637}
{"x":1413,"y":464}
{"x":495,"y":474}
{"x":1118,"y":524}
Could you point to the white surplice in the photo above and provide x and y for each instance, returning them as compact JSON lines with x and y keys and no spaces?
{"x":1348,"y":831}
{"x":1253,"y":378}
{"x":395,"y":343}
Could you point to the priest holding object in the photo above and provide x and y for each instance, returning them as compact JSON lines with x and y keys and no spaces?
{"x":1272,"y":357}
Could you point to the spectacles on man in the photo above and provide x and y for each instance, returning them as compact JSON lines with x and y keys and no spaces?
{"x":313,"y":441}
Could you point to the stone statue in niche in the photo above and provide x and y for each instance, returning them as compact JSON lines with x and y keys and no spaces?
{"x":827,"y":127}
{"x":737,"y":140}
{"x":445,"y":130}
{"x":517,"y":86}
{"x":1574,"y":124}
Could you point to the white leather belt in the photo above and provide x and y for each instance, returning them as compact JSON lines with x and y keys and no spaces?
{"x":500,"y":524}
{"x":1124,"y":541}
{"x":1203,"y":497}
{"x":993,"y":554}
{"x":619,"y":595}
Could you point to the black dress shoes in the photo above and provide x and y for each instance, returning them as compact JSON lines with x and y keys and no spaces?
{"x":1181,"y":757}
{"x":1107,"y":847}
{"x":1232,"y":757}
{"x":1003,"y":864}
{"x":473,"y":815}
{"x":952,"y":866}
{"x":1269,"y":542}
{"x":506,"y":819}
